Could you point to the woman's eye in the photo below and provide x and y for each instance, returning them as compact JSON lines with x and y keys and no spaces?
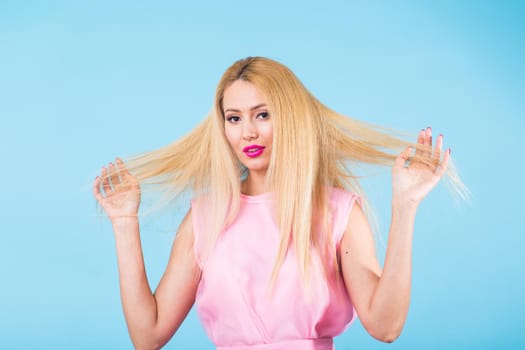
{"x":263,"y":115}
{"x":233,"y":119}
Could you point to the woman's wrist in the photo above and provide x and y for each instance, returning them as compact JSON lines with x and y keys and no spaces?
{"x":404,"y":207}
{"x":124,"y":223}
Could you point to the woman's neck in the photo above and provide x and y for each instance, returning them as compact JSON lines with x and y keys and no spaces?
{"x":253,"y":185}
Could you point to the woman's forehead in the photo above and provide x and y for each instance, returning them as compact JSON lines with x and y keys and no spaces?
{"x":242,"y":95}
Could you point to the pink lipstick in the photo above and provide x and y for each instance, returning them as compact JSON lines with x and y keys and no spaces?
{"x":253,"y":151}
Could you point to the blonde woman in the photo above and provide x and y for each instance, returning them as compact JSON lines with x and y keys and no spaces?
{"x":276,"y":250}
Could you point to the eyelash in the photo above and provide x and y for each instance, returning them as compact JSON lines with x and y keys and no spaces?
{"x":230,"y":119}
{"x":235,"y":119}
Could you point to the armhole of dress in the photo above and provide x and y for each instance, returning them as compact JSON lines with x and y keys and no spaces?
{"x":197,"y":239}
{"x":347,"y":203}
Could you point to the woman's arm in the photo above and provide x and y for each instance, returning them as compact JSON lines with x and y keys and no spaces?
{"x":151,"y":318}
{"x":382,"y":297}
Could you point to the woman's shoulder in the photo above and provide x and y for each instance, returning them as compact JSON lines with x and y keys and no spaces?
{"x":201,"y":201}
{"x":340,"y":204}
{"x":340,"y":195}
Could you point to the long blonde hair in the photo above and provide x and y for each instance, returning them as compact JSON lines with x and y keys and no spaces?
{"x":204,"y":163}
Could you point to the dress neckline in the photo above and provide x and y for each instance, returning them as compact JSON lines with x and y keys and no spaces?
{"x":256,"y":198}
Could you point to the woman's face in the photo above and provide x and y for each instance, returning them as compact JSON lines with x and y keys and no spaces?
{"x":248,"y":125}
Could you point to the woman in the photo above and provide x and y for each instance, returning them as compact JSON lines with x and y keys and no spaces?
{"x":276,"y":250}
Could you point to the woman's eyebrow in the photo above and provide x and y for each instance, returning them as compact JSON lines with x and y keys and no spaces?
{"x":251,"y":109}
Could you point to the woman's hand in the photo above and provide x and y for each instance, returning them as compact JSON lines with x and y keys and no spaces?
{"x":120,"y":195}
{"x":412,"y":182}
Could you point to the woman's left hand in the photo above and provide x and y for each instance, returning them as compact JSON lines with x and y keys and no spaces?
{"x":412,"y":182}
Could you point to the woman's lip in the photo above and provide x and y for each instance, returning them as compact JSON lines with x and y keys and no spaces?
{"x":250,"y":147}
{"x":253,"y":151}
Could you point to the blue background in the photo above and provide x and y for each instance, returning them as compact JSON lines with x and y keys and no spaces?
{"x":84,"y":81}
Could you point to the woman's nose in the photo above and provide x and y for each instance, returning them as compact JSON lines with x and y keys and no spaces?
{"x":249,"y":130}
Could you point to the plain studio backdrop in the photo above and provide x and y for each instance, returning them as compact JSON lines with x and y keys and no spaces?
{"x":84,"y":81}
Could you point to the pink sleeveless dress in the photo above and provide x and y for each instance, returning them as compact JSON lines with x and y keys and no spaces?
{"x":233,"y":300}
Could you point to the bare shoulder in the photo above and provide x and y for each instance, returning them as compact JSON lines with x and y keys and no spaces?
{"x":182,"y":253}
{"x":357,"y":250}
{"x":185,"y":230}
{"x":358,"y":227}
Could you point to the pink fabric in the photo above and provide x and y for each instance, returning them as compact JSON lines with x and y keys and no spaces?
{"x":233,"y":299}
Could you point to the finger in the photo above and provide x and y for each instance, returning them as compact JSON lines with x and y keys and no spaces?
{"x":428,"y":142}
{"x":96,"y":189}
{"x":442,"y":167}
{"x":105,"y":181}
{"x":125,"y":175}
{"x":113,"y":172}
{"x":403,"y":157}
{"x":420,"y":143}
{"x":123,"y":170}
{"x":436,"y":157}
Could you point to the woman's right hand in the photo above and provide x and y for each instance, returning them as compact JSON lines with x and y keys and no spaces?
{"x":117,"y":191}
